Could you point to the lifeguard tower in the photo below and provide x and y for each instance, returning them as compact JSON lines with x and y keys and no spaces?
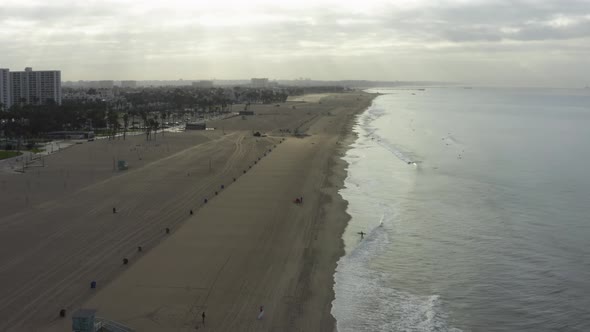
{"x":83,"y":320}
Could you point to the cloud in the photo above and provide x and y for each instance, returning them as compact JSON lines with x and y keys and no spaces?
{"x":147,"y":39}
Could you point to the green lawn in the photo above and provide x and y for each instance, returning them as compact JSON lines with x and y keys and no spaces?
{"x":9,"y":154}
{"x":36,"y":150}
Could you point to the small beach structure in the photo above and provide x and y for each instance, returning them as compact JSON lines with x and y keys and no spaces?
{"x":83,"y":320}
{"x":195,"y":126}
{"x":122,"y":165}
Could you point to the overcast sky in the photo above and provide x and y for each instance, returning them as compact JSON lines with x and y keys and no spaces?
{"x":498,"y":42}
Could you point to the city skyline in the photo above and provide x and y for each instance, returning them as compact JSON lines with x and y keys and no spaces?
{"x":513,"y":43}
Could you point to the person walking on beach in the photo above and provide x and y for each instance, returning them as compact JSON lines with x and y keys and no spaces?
{"x":362,"y":234}
{"x":203,"y":315}
{"x":261,"y":314}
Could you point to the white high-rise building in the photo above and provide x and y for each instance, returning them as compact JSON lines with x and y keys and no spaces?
{"x":5,"y":99}
{"x":35,"y":87}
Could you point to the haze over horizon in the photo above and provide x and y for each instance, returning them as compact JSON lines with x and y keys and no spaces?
{"x":493,"y":42}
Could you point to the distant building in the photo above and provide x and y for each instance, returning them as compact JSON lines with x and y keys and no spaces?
{"x":259,"y":82}
{"x":105,"y":84}
{"x":89,"y":94}
{"x":195,"y":126}
{"x":128,"y":84}
{"x":35,"y":87}
{"x":203,"y":84}
{"x":5,"y":99}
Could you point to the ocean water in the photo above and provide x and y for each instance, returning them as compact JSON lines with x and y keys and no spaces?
{"x":476,"y":209}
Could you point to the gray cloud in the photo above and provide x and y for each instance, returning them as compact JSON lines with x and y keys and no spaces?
{"x":89,"y":40}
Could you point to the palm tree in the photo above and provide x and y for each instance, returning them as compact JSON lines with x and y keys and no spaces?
{"x":125,"y":124}
{"x":113,"y":122}
{"x":155,"y":126}
{"x":162,"y":118}
{"x":146,"y":125}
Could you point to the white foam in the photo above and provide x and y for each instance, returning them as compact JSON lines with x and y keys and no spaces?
{"x":366,"y":299}
{"x":365,"y":302}
{"x":366,"y":129}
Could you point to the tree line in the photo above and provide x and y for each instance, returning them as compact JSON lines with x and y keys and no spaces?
{"x":146,"y":109}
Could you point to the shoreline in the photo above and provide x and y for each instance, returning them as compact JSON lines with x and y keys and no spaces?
{"x":340,"y":175}
{"x":335,"y":201}
{"x":334,"y":210}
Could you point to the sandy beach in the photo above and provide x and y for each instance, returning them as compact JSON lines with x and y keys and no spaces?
{"x":250,"y":245}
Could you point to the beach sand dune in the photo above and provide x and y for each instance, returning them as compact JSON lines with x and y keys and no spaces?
{"x":250,"y":245}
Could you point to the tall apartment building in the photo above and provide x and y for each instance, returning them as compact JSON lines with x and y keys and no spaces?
{"x":35,"y":87}
{"x":5,"y":99}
